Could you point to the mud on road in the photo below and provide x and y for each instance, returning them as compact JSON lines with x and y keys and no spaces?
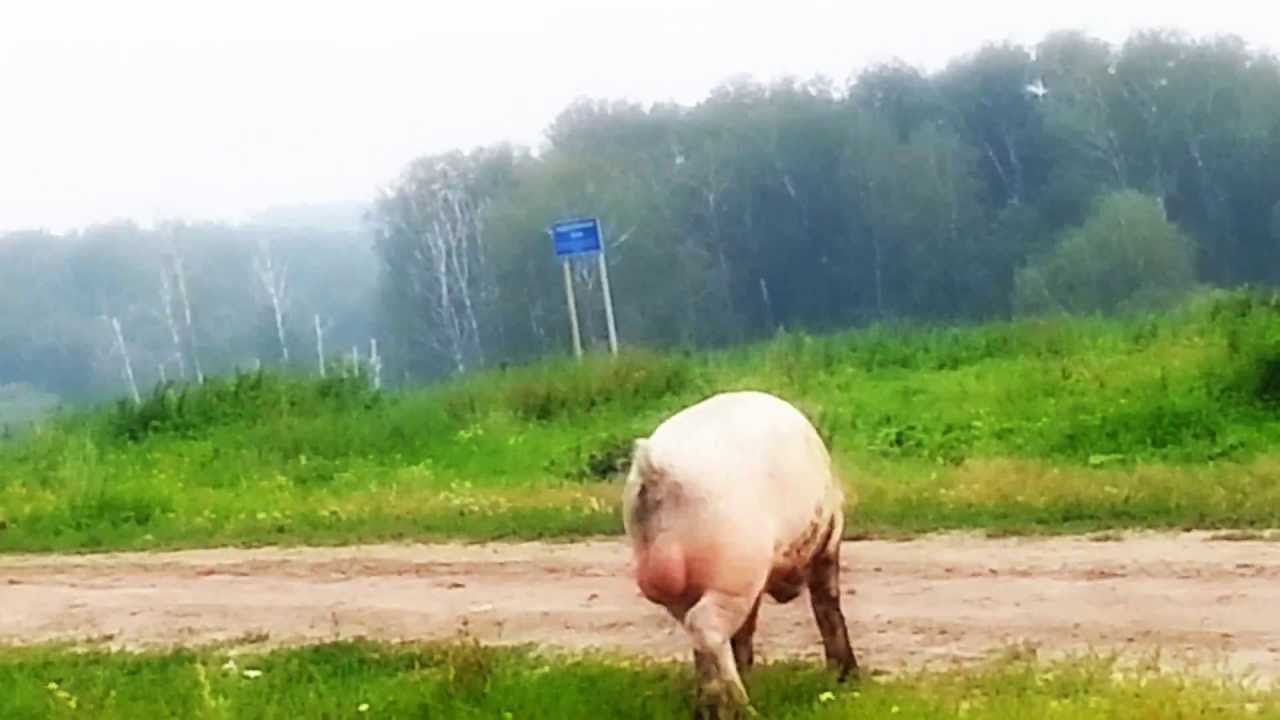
{"x":909,"y":604}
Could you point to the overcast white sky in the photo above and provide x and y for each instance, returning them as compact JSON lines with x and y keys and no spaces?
{"x":211,"y":109}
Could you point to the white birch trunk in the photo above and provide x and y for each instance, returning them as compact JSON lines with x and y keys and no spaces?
{"x":124,"y":355}
{"x":276,"y":284}
{"x":181,"y":275}
{"x":175,"y":334}
{"x":320,"y":346}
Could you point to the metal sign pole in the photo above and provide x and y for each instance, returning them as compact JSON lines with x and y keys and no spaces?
{"x":583,"y":236}
{"x":608,"y":297}
{"x":573,"y":309}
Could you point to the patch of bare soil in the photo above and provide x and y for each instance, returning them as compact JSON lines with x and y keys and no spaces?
{"x":923,"y":602}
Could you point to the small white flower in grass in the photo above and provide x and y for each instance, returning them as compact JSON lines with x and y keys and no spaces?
{"x":362,"y":707}
{"x":252,"y":674}
{"x":826,"y":696}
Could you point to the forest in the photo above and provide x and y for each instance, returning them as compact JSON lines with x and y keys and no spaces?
{"x":1068,"y":176}
{"x":189,"y":299}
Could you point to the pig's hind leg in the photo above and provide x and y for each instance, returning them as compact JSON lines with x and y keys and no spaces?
{"x":824,"y":596}
{"x":712,"y":624}
{"x":743,"y":651}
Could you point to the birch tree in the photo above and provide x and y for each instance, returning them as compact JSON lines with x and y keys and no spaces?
{"x":274,"y":279}
{"x":172,"y":257}
{"x":1079,"y":89}
{"x":167,"y":302}
{"x":431,"y":233}
{"x":122,"y":350}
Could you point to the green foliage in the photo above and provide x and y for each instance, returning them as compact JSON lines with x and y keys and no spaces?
{"x":462,"y":679}
{"x":1252,"y":322}
{"x":556,"y":390}
{"x":1125,"y":257}
{"x":603,"y":456}
{"x":1042,"y":425}
{"x":243,"y":399}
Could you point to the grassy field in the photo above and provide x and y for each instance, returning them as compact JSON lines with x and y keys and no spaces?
{"x":1055,"y":425}
{"x":1047,"y":426}
{"x":462,"y":680}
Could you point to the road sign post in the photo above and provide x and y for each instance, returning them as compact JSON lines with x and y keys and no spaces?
{"x":573,"y":309}
{"x":582,"y":236}
{"x":608,"y":304}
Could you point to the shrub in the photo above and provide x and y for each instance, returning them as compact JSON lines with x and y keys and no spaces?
{"x":246,"y":398}
{"x":1125,"y":257}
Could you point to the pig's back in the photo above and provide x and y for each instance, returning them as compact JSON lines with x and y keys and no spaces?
{"x":750,"y":458}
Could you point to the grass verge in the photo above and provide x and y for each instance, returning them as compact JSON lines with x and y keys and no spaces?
{"x":1060,"y":425}
{"x":464,"y":680}
{"x":887,"y":499}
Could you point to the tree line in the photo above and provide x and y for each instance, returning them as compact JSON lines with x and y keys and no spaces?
{"x":117,"y":308}
{"x":1072,"y":176}
{"x":1067,"y":176}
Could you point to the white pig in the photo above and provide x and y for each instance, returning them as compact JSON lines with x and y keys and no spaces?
{"x":730,"y":498}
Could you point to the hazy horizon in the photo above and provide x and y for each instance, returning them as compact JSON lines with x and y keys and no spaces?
{"x":141,"y":111}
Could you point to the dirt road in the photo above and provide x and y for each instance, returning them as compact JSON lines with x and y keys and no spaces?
{"x":939,"y":599}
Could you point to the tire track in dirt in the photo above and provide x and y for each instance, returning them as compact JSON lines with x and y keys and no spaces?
{"x":933,"y":600}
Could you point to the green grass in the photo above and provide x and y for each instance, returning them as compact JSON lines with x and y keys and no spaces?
{"x":463,"y":680}
{"x":1048,"y":425}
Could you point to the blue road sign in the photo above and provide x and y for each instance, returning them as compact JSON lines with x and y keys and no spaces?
{"x":578,"y":236}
